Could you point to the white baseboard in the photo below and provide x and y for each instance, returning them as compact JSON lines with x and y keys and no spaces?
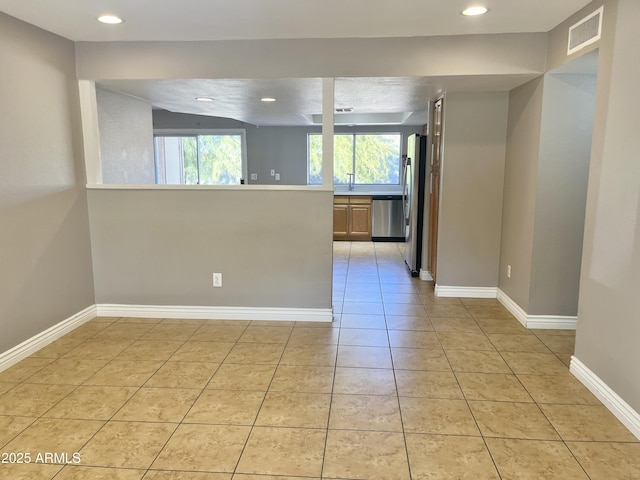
{"x":41,"y":340}
{"x":513,"y":307}
{"x":35,"y":343}
{"x":545,"y":322}
{"x":424,"y":275}
{"x":616,"y":405}
{"x":466,"y":292}
{"x":555,"y":322}
{"x":217,"y":313}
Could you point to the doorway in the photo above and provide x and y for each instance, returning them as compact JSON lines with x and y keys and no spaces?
{"x":568,"y":112}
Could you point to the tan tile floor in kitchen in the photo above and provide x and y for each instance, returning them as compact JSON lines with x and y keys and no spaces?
{"x":403,"y":385}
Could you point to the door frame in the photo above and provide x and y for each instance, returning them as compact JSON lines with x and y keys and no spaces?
{"x":435,"y":179}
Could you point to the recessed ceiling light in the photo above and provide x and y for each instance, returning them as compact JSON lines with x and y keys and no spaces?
{"x":110,"y":19}
{"x":267,"y":99}
{"x":477,"y":10}
{"x":204,"y":99}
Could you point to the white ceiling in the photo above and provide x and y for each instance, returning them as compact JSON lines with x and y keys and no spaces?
{"x":379,"y":100}
{"x":375,"y":100}
{"x":151,"y":20}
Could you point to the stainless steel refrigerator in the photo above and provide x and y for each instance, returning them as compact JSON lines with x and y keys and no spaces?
{"x":414,"y":173}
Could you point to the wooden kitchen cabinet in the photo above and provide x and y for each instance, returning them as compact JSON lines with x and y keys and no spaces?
{"x":340,"y":218}
{"x":352,"y":217}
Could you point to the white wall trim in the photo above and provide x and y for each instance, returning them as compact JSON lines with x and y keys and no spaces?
{"x":222,"y":188}
{"x":616,"y":405}
{"x":217,"y":313}
{"x":42,"y":339}
{"x":424,"y":275}
{"x":555,"y":322}
{"x":512,"y":306}
{"x":465,"y":292}
{"x":90,"y":130}
{"x":545,"y":322}
{"x":529,"y":321}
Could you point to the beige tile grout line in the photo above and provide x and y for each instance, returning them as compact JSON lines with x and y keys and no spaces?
{"x":253,"y":425}
{"x":484,"y":440}
{"x":138,"y":390}
{"x":135,"y":392}
{"x":147,"y":470}
{"x":76,"y":387}
{"x":290,"y":333}
{"x":529,"y":393}
{"x":404,"y":433}
{"x":335,"y":367}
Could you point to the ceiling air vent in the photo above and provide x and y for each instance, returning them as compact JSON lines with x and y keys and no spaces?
{"x":585,"y":32}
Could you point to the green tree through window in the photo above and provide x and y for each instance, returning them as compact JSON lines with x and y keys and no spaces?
{"x":374,"y":159}
{"x":199,"y":159}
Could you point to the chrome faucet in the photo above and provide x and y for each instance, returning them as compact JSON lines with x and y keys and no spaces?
{"x":350,"y":175}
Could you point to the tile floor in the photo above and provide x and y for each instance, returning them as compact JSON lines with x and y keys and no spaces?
{"x":403,"y":385}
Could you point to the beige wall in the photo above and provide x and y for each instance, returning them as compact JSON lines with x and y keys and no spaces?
{"x":521,"y":173}
{"x":515,"y":54}
{"x":609,"y":305}
{"x":472,"y":183}
{"x":563,"y":169}
{"x":126,"y":138}
{"x":160,"y":247}
{"x":558,"y":37}
{"x":45,"y":256}
{"x":46,"y":274}
{"x":548,"y":153}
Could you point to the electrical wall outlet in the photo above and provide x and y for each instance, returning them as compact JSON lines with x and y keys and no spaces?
{"x":217,"y":280}
{"x":277,"y":177}
{"x":508,"y":271}
{"x":273,"y":172}
{"x":254,"y":176}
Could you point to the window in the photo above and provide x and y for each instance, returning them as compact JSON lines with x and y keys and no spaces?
{"x":373,"y":158}
{"x":195,"y":159}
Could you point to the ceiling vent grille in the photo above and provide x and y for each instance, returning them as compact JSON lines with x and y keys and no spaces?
{"x":585,"y":32}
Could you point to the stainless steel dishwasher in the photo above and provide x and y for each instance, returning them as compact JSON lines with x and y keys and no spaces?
{"x":387,"y":219}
